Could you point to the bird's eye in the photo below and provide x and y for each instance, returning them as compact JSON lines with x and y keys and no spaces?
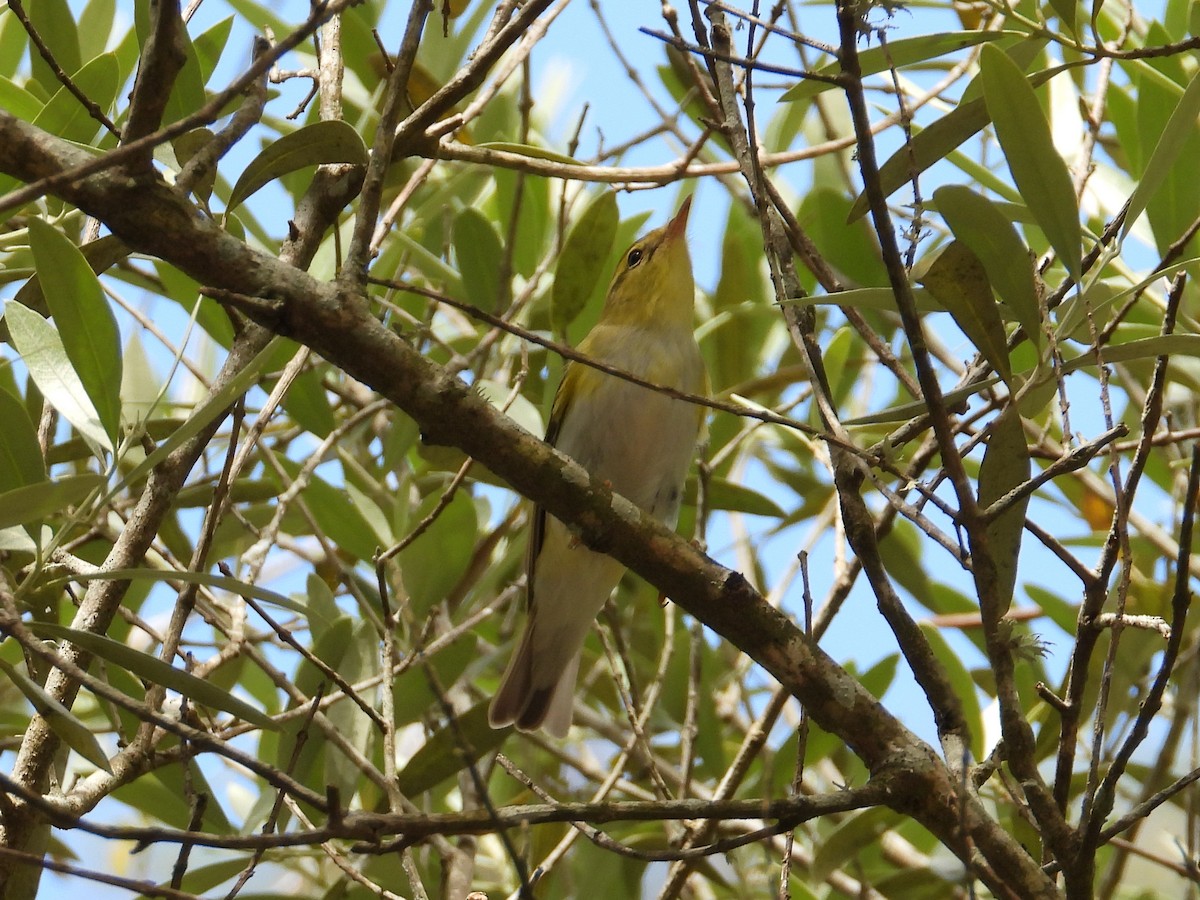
{"x":635,"y":257}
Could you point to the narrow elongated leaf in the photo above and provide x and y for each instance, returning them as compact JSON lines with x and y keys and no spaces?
{"x":221,"y":582}
{"x":433,"y":563}
{"x":62,"y":722}
{"x":1005,"y":467}
{"x":1143,"y":348}
{"x":479,"y":251}
{"x":17,"y":101}
{"x":531,"y":151}
{"x":152,"y":669}
{"x":880,"y":298}
{"x":928,"y":146}
{"x":944,"y":135}
{"x":857,"y":833}
{"x":900,"y":53}
{"x":55,"y":24}
{"x":1039,"y":172}
{"x":904,"y":411}
{"x":979,"y":224}
{"x":83,"y":318}
{"x":961,"y":682}
{"x":215,"y":406}
{"x":65,"y":117}
{"x":332,"y":141}
{"x":44,"y":355}
{"x":35,"y":502}
{"x":444,"y":754}
{"x":358,"y":664}
{"x":959,"y":281}
{"x":1181,"y":126}
{"x":730,"y":495}
{"x":101,"y":254}
{"x":581,"y":264}
{"x":21,"y":460}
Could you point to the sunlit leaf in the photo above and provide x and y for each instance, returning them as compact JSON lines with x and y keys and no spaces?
{"x":1038,"y":170}
{"x":42,"y":350}
{"x":898,"y":54}
{"x":83,"y":318}
{"x":1181,"y":126}
{"x":65,"y":117}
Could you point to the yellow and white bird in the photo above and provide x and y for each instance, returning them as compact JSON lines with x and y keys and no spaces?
{"x":637,"y":440}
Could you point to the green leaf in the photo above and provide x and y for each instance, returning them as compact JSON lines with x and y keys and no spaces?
{"x":734,"y":497}
{"x":433,"y":563}
{"x":1143,"y":348}
{"x":84,"y":320}
{"x":529,"y":150}
{"x":21,"y":460}
{"x":928,"y":146}
{"x":444,"y":754}
{"x":959,"y":281}
{"x":1005,"y":467}
{"x":857,"y":833}
{"x":55,"y":24}
{"x":1039,"y":172}
{"x":979,"y":224}
{"x":580,"y":265}
{"x":95,"y":27}
{"x":358,"y":664}
{"x":34,"y":502}
{"x":101,"y":254}
{"x":210,"y":45}
{"x":1180,"y":127}
{"x":939,"y":140}
{"x":962,"y":683}
{"x":152,"y":669}
{"x":50,"y":368}
{"x":915,"y":408}
{"x":217,"y":405}
{"x":17,"y":101}
{"x":480,"y":254}
{"x":220,"y":582}
{"x":877,"y":298}
{"x":62,"y":722}
{"x":331,"y":141}
{"x":900,"y":53}
{"x":65,"y":117}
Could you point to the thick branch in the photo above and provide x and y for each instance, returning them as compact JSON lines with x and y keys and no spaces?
{"x":154,"y":219}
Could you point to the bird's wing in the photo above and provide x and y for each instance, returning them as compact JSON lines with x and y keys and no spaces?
{"x":569,"y":388}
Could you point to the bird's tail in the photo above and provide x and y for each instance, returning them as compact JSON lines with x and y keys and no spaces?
{"x":538,"y":689}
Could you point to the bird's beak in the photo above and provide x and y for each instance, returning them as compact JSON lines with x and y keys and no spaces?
{"x":678,"y":225}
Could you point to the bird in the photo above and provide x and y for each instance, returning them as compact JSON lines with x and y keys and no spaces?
{"x":637,"y":440}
